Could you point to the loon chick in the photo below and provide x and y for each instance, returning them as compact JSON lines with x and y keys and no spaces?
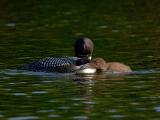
{"x":103,"y":66}
{"x":83,"y":49}
{"x":100,"y":65}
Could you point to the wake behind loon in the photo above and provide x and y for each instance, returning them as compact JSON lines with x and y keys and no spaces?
{"x":83,"y":49}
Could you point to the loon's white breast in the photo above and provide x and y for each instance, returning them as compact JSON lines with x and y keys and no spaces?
{"x":86,"y":69}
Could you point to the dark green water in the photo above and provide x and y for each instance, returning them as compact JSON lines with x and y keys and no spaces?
{"x":124,"y":31}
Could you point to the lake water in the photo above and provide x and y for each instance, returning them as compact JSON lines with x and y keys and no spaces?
{"x":124,"y":31}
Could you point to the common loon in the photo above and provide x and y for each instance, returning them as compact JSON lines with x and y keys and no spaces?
{"x":99,"y":65}
{"x":83,"y":49}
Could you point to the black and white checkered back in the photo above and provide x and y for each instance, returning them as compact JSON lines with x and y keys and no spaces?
{"x":53,"y":64}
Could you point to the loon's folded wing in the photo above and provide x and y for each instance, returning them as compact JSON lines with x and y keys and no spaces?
{"x":52,"y":64}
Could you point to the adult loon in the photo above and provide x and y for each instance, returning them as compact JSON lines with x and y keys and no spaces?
{"x":83,"y":49}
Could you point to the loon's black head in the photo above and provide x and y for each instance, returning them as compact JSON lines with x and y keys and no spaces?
{"x":83,"y":48}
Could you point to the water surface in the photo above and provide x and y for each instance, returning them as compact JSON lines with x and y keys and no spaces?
{"x":124,"y":31}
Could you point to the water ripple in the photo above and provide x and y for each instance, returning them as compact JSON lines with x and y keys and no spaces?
{"x":157,"y":109}
{"x":117,"y":116}
{"x":54,"y":116}
{"x":64,"y":107}
{"x":20,"y":94}
{"x":24,"y":118}
{"x":45,"y":111}
{"x":112,"y":110}
{"x":141,"y":109}
{"x":89,"y":102}
{"x":81,"y":117}
{"x":39,"y":92}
